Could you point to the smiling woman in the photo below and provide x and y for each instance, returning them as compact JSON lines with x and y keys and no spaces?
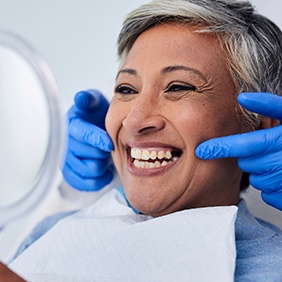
{"x":172,"y":81}
{"x":183,"y":64}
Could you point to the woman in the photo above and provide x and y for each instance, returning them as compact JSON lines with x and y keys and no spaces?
{"x":183,"y":64}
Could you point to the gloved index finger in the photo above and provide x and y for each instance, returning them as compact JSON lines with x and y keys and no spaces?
{"x":90,"y":100}
{"x":241,"y":145}
{"x":90,"y":134}
{"x":266,"y":104}
{"x":90,"y":105}
{"x":85,"y":100}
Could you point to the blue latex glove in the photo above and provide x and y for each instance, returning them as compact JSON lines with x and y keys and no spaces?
{"x":258,"y":152}
{"x":88,"y":165}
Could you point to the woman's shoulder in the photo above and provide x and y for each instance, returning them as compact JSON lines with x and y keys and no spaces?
{"x":259,"y":248}
{"x":249,"y":228}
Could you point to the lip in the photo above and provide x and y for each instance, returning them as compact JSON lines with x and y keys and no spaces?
{"x":150,"y":146}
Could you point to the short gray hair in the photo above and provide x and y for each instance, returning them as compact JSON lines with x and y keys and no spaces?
{"x":253,"y":43}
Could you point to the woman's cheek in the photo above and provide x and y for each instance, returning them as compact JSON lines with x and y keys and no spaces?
{"x":110,"y":123}
{"x":114,"y":119}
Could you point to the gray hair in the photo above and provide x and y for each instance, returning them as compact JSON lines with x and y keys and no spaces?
{"x":253,"y":43}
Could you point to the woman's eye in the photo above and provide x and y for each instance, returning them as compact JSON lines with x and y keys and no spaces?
{"x":179,"y":87}
{"x":125,"y":90}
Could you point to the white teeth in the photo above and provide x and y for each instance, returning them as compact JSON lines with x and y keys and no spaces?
{"x":137,"y":154}
{"x":152,"y":165}
{"x":168,"y":155}
{"x":136,"y":163}
{"x":145,"y":155}
{"x":157,"y":164}
{"x":161,"y":155}
{"x":153,"y":155}
{"x":141,"y":158}
{"x":148,"y":165}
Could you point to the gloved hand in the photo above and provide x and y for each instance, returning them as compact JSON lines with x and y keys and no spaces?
{"x":258,"y":152}
{"x":88,"y":165}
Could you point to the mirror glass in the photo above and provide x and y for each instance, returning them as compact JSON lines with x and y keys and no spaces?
{"x":24,"y":124}
{"x":31,"y":127}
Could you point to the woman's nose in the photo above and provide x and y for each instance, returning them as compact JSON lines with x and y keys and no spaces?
{"x":144,"y":117}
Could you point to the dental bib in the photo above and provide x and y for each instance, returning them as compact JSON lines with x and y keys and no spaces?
{"x":109,"y":242}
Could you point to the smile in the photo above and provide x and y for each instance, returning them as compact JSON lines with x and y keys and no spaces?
{"x":148,"y":159}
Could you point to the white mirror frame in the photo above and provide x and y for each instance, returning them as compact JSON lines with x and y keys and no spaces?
{"x":54,"y":154}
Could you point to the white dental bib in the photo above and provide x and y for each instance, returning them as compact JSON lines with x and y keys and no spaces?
{"x":109,"y":242}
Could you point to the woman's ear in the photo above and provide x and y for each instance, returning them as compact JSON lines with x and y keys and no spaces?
{"x":267,"y":122}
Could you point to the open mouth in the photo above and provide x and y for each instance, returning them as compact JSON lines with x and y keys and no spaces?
{"x":153,"y":158}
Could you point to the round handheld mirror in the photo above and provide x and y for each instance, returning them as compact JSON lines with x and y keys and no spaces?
{"x":31,"y":128}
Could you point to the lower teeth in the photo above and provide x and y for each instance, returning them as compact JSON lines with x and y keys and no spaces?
{"x":157,"y":164}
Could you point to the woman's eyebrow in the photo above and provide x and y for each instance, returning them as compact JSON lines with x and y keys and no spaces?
{"x":185,"y":68}
{"x":166,"y":70}
{"x":128,"y":71}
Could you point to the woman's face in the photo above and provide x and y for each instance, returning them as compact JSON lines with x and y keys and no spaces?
{"x":173,"y":92}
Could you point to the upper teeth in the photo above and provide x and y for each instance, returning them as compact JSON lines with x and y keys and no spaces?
{"x":153,"y":155}
{"x":151,"y":159}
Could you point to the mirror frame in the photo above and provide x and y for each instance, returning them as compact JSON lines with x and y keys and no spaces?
{"x":49,"y":171}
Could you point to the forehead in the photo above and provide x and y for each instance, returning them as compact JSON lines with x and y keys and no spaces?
{"x":172,"y":43}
